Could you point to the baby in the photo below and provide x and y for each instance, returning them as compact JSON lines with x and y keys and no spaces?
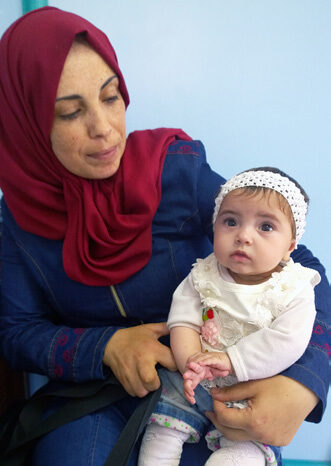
{"x":245,"y":312}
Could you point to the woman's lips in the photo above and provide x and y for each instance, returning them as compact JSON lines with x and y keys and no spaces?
{"x":104,"y":154}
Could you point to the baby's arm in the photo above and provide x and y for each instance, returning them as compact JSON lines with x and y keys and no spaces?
{"x":194,"y":365}
{"x":185,"y":321}
{"x":185,"y":342}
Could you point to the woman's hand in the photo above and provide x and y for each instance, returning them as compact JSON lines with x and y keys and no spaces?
{"x":132,"y":355}
{"x":276,"y":408}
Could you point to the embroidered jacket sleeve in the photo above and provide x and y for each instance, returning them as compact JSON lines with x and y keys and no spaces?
{"x":57,"y":327}
{"x":313,"y":369}
{"x":32,"y":338}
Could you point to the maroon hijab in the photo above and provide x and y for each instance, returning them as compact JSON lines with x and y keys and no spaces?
{"x":105,"y":224}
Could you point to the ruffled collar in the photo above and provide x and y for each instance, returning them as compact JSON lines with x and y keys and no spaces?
{"x":271,"y":295}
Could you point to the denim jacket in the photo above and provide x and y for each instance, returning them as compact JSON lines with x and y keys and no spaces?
{"x":52,"y":325}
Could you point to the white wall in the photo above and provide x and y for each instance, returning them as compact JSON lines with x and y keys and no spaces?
{"x":252,"y":80}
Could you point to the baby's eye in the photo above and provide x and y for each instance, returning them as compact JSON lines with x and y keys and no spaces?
{"x":266,"y":227}
{"x":230,"y":222}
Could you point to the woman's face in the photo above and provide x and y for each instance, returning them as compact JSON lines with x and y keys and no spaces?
{"x":88,"y":134}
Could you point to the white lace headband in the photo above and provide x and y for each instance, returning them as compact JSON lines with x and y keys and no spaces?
{"x":275,"y":181}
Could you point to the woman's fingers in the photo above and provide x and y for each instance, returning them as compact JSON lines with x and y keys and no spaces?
{"x":164,"y":356}
{"x":159,"y":329}
{"x":133,"y":353}
{"x":240,"y":391}
{"x":231,"y":417}
{"x":235,"y":418}
{"x":276,"y":408}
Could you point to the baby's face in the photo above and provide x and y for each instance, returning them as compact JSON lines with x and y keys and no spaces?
{"x":251,"y":237}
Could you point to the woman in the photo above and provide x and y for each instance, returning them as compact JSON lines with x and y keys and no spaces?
{"x":99,"y":229}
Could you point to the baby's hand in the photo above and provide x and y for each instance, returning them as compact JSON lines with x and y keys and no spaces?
{"x":202,"y":366}
{"x":192,"y":376}
{"x":218,"y":363}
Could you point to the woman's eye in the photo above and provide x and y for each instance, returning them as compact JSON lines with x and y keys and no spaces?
{"x":70,"y":116}
{"x":266,"y":227}
{"x":111,"y":99}
{"x":230,"y":222}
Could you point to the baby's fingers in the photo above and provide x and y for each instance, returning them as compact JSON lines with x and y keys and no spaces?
{"x":195,"y":367}
{"x":188,"y":387}
{"x":210,"y":361}
{"x":189,"y":375}
{"x":188,"y":391}
{"x":190,"y":398}
{"x":220,"y":373}
{"x":215,"y":364}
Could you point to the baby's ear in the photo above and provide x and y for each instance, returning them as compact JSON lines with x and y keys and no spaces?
{"x":292,"y":245}
{"x":290,"y":249}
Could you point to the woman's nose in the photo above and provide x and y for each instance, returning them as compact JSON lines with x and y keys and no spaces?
{"x":99,"y":125}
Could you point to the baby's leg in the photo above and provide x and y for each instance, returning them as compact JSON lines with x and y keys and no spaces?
{"x":236,"y":454}
{"x":161,"y":446}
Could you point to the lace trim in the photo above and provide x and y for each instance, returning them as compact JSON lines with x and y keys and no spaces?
{"x":274,"y":181}
{"x":220,"y":329}
{"x":206,"y":278}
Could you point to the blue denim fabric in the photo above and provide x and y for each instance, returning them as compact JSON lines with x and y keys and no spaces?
{"x":173,"y":402}
{"x":55,"y":326}
{"x":86,"y":441}
{"x":89,"y":440}
{"x":62,"y":319}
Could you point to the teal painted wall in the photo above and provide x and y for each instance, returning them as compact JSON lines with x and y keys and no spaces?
{"x":28,"y":5}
